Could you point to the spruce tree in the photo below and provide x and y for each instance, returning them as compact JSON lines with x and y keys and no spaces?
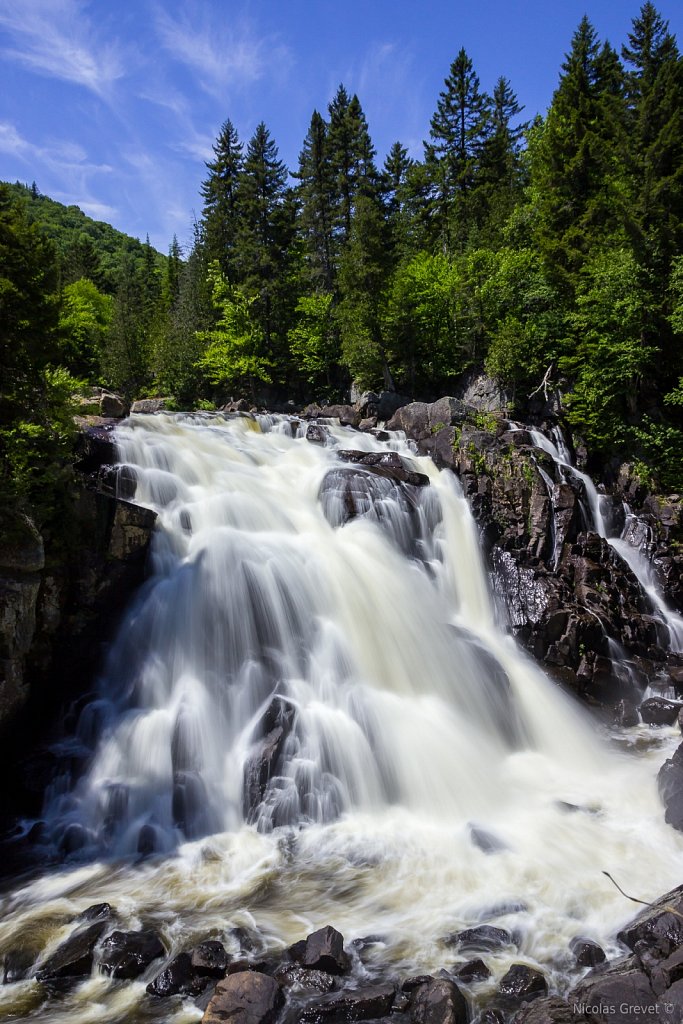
{"x":265,"y":229}
{"x":352,"y":158}
{"x":219,"y":192}
{"x":316,"y":205}
{"x":458,"y":132}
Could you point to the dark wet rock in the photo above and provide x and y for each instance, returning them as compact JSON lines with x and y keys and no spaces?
{"x":522,"y":984}
{"x":587,"y":953}
{"x":325,"y":952}
{"x":245,"y":998}
{"x":369,"y":1003}
{"x":128,"y":954}
{"x":303,"y":979}
{"x":97,"y":912}
{"x":74,"y":958}
{"x":178,"y":978}
{"x":615,"y":992}
{"x":264,"y":762}
{"x":492,"y":1015}
{"x":550,"y":1010}
{"x":317,"y":433}
{"x":626,"y":714}
{"x":483,"y":937}
{"x":665,"y":973}
{"x":670,"y":785}
{"x":438,"y":1002}
{"x":659,"y":711}
{"x":389,"y":464}
{"x":473,"y":970}
{"x":16,"y":965}
{"x":486,"y":841}
{"x":297,"y":951}
{"x":74,"y":838}
{"x":410,"y":984}
{"x":147,"y":840}
{"x":210,"y":959}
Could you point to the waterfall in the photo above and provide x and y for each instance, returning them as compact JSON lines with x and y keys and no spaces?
{"x":310,"y":716}
{"x":626,"y":542}
{"x":316,"y":639}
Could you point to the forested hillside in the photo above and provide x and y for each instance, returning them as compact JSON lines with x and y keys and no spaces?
{"x":547,"y":251}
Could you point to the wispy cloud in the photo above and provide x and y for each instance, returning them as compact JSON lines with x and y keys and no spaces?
{"x":66,"y":161}
{"x":385,"y":82}
{"x":56,"y":38}
{"x":221,"y":55}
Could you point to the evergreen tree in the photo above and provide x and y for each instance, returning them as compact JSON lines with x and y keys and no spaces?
{"x":655,"y":96}
{"x":316,"y":205}
{"x":395,"y":194}
{"x":219,"y":191}
{"x":264,"y":235}
{"x":352,"y":158}
{"x":500,"y":179}
{"x":578,"y":161}
{"x":458,"y":131}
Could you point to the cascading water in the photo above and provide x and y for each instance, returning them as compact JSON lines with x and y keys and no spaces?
{"x":311,"y":717}
{"x":626,"y":542}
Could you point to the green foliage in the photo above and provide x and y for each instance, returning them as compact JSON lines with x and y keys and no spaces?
{"x":605,"y":358}
{"x":84,"y":323}
{"x":235,"y":357}
{"x":313,"y":341}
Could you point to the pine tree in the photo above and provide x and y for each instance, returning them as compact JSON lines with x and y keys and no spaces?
{"x":219,"y":192}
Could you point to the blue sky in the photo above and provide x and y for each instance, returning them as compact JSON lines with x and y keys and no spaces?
{"x":114,"y":106}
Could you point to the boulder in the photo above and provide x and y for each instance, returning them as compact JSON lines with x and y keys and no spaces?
{"x":244,"y":998}
{"x":302,"y":979}
{"x":483,"y":937}
{"x":210,"y":959}
{"x":324,"y":951}
{"x":113,"y":405}
{"x":670,"y":785}
{"x":346,"y":414}
{"x":178,"y":978}
{"x":438,"y":1002}
{"x":16,"y":965}
{"x":473,"y":970}
{"x":659,"y":711}
{"x":317,"y":433}
{"x":615,"y":992}
{"x":522,"y":984}
{"x":74,"y":958}
{"x":388,"y":464}
{"x":128,"y":954}
{"x":368,"y":1003}
{"x":626,"y":714}
{"x":587,"y":953}
{"x":148,"y":406}
{"x":550,"y":1010}
{"x":658,"y":926}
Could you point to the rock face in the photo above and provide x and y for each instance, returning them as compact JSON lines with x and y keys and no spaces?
{"x":22,"y":559}
{"x":438,"y":1002}
{"x":565,"y":592}
{"x":128,"y":954}
{"x":61,"y":597}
